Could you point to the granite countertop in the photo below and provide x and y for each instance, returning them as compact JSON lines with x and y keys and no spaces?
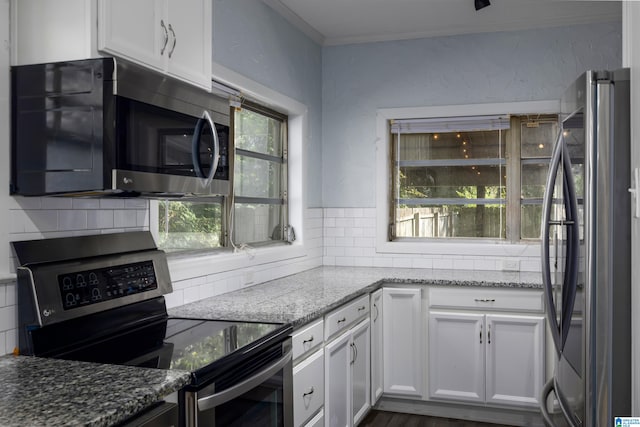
{"x":303,"y":297}
{"x":38,"y":391}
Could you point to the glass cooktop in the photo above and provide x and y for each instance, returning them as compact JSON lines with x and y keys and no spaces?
{"x":199,"y":346}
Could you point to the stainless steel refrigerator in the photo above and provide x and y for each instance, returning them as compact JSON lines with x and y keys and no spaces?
{"x":586,"y":255}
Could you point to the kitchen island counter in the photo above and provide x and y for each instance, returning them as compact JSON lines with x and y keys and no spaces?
{"x":300,"y":298}
{"x":38,"y":391}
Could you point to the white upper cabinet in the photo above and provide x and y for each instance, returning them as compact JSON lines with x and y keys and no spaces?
{"x":170,"y":36}
{"x":135,"y":30}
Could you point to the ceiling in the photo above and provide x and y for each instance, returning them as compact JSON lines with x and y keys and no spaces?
{"x":335,"y":22}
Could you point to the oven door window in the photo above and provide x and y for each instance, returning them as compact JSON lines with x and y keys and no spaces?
{"x":160,"y":141}
{"x":264,"y":402}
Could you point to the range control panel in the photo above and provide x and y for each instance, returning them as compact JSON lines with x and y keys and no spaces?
{"x":82,"y":288}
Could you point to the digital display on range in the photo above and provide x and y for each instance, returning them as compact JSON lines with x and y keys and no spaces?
{"x":82,"y":288}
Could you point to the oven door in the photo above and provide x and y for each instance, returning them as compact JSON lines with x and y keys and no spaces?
{"x":258,"y":392}
{"x":167,"y":151}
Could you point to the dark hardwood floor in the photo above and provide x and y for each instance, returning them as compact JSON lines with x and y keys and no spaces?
{"x":392,"y":419}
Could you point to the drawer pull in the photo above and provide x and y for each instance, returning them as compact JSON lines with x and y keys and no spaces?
{"x":485,"y":300}
{"x":362,"y":308}
{"x":309,"y":340}
{"x":344,"y":319}
{"x":308,"y":393}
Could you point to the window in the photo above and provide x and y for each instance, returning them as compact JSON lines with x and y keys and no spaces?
{"x":255,"y":213}
{"x":260,"y":186}
{"x":469,"y":177}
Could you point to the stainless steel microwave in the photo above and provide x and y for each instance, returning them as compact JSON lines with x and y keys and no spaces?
{"x":106,"y":126}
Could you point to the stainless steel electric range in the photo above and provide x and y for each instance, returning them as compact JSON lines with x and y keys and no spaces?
{"x":100,"y":299}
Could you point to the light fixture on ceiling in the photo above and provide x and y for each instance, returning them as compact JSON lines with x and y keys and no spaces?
{"x":481,"y":4}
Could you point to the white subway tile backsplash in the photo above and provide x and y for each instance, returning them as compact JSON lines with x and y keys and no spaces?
{"x":41,"y":221}
{"x":112,"y":203}
{"x":72,"y":219}
{"x":80,"y":203}
{"x":356,"y":228}
{"x":3,"y":298}
{"x":334,"y":213}
{"x":57,"y":203}
{"x":8,"y":317}
{"x":3,"y":347}
{"x":98,"y":219}
{"x":11,"y":340}
{"x":125,"y":218}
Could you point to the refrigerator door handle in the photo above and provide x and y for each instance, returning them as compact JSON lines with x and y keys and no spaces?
{"x":547,"y":203}
{"x":570,"y":284}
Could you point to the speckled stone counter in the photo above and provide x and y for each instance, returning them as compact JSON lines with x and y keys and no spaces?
{"x":48,"y":392}
{"x":303,"y":297}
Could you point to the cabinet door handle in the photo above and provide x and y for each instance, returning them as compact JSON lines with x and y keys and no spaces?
{"x":355,"y":347}
{"x":375,"y":318}
{"x":484,"y":300}
{"x":361,"y":308}
{"x":175,"y":39}
{"x":353,"y":354}
{"x":489,"y":334}
{"x":480,"y":334}
{"x":308,"y":393}
{"x":309,"y":340}
{"x":166,"y":36}
{"x":344,"y":319}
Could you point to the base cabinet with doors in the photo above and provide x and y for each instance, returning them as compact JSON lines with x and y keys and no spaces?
{"x":403,"y":332}
{"x":347,"y":364}
{"x":170,"y":36}
{"x":477,"y":354}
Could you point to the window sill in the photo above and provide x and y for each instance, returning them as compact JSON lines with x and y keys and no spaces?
{"x":461,"y":248}
{"x":182,"y":267}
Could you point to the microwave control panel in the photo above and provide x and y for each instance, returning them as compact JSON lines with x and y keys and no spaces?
{"x":82,"y":288}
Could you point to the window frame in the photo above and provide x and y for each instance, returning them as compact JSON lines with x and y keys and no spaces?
{"x":234,"y":199}
{"x":458,"y":246}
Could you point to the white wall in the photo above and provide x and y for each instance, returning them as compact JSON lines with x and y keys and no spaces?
{"x":253,"y":40}
{"x":469,"y":69}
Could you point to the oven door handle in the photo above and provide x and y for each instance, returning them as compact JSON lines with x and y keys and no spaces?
{"x":217,"y":399}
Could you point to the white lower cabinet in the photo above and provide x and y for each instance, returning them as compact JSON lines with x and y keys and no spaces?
{"x":377,"y":371}
{"x":403,"y":332}
{"x":347,"y":384}
{"x":308,"y":374}
{"x":492,"y":358}
{"x":308,"y":388}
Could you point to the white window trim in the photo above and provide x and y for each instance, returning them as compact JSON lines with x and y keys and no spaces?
{"x":185,"y":267}
{"x":443,"y":247}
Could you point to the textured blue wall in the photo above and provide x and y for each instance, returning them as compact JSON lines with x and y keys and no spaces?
{"x":469,"y":69}
{"x":253,"y":40}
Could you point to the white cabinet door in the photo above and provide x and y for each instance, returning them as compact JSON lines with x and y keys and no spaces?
{"x":515,"y":359}
{"x":189,"y":48}
{"x":337,"y":399}
{"x":456,"y":356}
{"x":402,"y":334}
{"x":360,"y":370}
{"x":135,"y":30}
{"x":376,"y":346}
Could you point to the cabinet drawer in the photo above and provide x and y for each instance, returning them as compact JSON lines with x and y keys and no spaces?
{"x":308,"y":388}
{"x":341,"y":318}
{"x":487,"y":299}
{"x":308,"y":338}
